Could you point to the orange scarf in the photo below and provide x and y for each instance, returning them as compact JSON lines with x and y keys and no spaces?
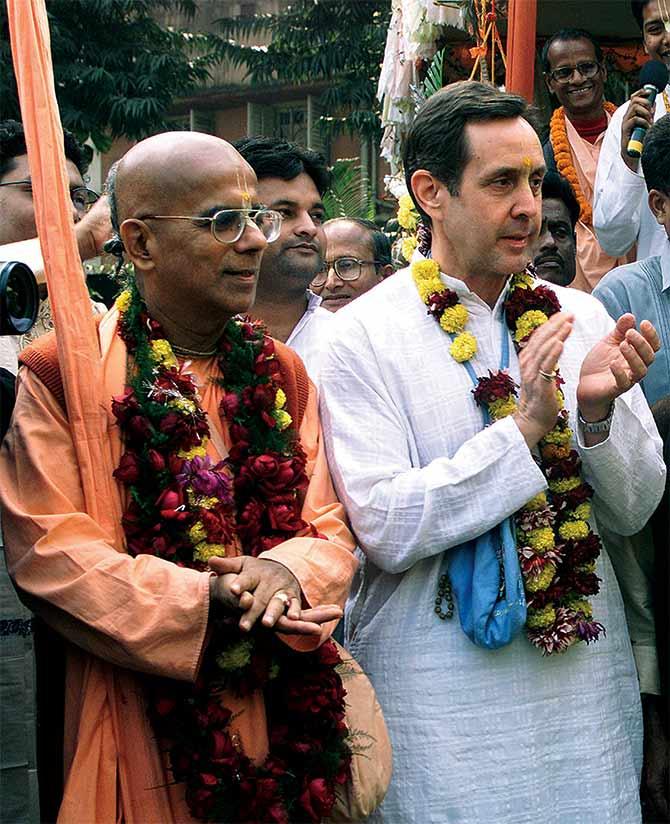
{"x":558,"y":136}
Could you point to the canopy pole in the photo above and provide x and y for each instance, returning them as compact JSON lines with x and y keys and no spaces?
{"x":521,"y":31}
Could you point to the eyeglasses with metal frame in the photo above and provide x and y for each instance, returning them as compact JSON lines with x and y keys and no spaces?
{"x":228,"y":225}
{"x":563,"y":74}
{"x":82,"y":197}
{"x":346,"y":268}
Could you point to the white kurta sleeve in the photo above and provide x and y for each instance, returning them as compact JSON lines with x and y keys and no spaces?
{"x":626,"y":470}
{"x":403,"y":512}
{"x":619,"y":194}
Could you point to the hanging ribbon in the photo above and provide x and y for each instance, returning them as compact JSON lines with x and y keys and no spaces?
{"x":78,"y":349}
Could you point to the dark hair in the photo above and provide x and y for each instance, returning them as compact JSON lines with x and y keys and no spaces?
{"x":275,"y":157}
{"x":13,"y":144}
{"x":565,"y":35}
{"x":637,"y":7}
{"x":656,"y":156}
{"x":436,"y":139}
{"x":381,"y":243}
{"x":556,"y":187}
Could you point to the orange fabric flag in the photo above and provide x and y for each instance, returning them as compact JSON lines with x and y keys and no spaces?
{"x":78,"y":348}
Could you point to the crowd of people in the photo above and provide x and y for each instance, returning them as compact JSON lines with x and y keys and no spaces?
{"x":456,"y":468}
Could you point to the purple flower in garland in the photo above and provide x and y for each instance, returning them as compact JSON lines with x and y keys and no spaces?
{"x":208,"y":479}
{"x":589,"y":630}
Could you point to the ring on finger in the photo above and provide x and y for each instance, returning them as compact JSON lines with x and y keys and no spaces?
{"x":282,"y":596}
{"x":548,"y":376}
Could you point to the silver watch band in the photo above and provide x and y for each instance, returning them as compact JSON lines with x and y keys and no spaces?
{"x":597,"y":427}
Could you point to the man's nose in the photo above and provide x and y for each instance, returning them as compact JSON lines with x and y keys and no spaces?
{"x":332,"y":280}
{"x":527,"y":202}
{"x":546,"y":241}
{"x":306,"y":225}
{"x":251,"y":239}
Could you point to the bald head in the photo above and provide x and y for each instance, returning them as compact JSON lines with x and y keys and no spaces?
{"x":165,"y":169}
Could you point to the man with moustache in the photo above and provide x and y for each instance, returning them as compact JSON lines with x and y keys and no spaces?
{"x":621,"y":214}
{"x":292,"y":181}
{"x":358,"y":258}
{"x":185,"y":208}
{"x":451,"y":617}
{"x":554,"y":256}
{"x":575,"y":75}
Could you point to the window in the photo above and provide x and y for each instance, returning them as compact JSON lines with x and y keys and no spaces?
{"x":291,"y":123}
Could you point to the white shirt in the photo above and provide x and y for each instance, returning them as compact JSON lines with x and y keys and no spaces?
{"x":310,"y":334}
{"x":621,"y":214}
{"x":478,"y":736}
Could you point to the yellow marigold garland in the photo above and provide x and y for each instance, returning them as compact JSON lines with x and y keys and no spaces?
{"x":558,"y":135}
{"x":552,"y":528}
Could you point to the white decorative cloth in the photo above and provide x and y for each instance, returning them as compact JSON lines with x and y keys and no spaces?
{"x":478,"y":736}
{"x":415,"y":27}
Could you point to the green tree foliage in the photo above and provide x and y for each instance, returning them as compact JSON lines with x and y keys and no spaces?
{"x":116,"y":68}
{"x":338,"y":41}
{"x":350,"y":192}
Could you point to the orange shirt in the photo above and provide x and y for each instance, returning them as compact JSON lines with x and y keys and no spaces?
{"x":125,"y":616}
{"x":592,"y":262}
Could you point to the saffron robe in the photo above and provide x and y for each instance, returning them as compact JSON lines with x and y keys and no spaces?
{"x":123,"y":615}
{"x":593,"y":262}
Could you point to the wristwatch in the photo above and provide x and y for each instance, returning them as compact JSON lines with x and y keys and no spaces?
{"x":597,"y":427}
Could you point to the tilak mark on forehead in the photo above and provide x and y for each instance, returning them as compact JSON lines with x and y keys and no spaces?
{"x":243,"y":186}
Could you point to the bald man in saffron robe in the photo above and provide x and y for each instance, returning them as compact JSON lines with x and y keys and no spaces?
{"x":126,"y":616}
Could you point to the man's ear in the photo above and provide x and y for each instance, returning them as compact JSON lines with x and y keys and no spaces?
{"x":547,"y":81}
{"x":386,"y":270}
{"x":136,"y":235}
{"x":429,"y":192}
{"x":659,"y":203}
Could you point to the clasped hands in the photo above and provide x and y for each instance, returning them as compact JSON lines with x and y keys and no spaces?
{"x":615,"y":364}
{"x":266,"y":590}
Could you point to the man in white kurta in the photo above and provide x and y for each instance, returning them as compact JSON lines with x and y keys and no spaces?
{"x":621,"y":215}
{"x":479,"y":736}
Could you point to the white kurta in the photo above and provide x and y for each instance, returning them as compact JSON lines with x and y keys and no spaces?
{"x":310,"y":335}
{"x":621,"y":214}
{"x":478,"y":736}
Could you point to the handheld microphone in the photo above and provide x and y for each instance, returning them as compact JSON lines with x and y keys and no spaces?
{"x":653,"y":79}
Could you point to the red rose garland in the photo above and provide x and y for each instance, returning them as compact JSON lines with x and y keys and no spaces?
{"x":556,"y":547}
{"x":185,"y":509}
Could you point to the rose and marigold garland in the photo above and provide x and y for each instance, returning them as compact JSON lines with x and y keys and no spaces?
{"x":186,"y":509}
{"x":558,"y":135}
{"x":556,"y":547}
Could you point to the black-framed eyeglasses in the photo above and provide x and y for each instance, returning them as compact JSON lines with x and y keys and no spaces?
{"x":82,"y":197}
{"x":346,"y":268}
{"x":228,"y":225}
{"x":587,"y":69}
